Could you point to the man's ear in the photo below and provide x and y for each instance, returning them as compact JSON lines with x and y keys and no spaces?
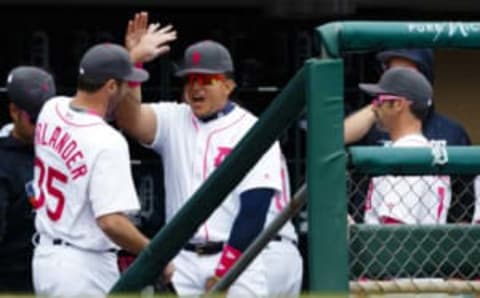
{"x":14,"y":111}
{"x":111,"y":86}
{"x":230,"y":85}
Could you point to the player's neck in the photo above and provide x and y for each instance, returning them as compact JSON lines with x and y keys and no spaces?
{"x":17,"y":135}
{"x":89,"y":103}
{"x":413,"y":127}
{"x":227,"y":108}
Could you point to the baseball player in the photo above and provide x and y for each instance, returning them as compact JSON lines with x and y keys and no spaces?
{"x":360,"y":130}
{"x":281,"y":256}
{"x":193,"y":139}
{"x":28,"y":88}
{"x":83,"y":182}
{"x":402,"y":98}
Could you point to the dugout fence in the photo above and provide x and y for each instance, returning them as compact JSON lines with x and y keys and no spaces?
{"x":319,"y":86}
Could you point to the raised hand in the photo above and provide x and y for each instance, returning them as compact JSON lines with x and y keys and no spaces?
{"x":147,"y":44}
{"x":136,"y":28}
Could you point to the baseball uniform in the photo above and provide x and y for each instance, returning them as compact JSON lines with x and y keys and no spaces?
{"x":191,"y":150}
{"x":476,"y":214}
{"x":283,"y":262}
{"x":81,"y":172}
{"x":408,"y":199}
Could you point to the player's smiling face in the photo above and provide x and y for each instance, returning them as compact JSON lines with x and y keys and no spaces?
{"x":207,"y":93}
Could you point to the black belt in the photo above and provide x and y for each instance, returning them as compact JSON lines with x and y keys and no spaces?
{"x":58,"y":241}
{"x":208,"y":248}
{"x":280,"y":238}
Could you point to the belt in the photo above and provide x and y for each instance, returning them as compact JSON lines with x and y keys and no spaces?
{"x":59,"y":241}
{"x":281,"y":238}
{"x":207,"y":248}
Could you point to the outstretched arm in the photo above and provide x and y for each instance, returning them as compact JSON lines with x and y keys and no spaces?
{"x":144,"y":43}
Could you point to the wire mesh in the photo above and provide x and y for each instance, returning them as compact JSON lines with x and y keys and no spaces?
{"x":417,"y":252}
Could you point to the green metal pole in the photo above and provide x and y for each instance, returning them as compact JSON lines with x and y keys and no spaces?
{"x":326,"y":165}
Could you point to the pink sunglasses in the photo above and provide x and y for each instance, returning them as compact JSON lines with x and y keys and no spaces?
{"x":382,"y":98}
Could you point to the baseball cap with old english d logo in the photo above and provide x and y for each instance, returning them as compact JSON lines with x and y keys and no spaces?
{"x":208,"y":57}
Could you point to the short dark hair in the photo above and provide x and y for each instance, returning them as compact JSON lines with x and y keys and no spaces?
{"x":419,"y":111}
{"x":86,"y":85}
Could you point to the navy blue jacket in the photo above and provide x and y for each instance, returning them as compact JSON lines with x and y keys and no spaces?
{"x":16,"y":216}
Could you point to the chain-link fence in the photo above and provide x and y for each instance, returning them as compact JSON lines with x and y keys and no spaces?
{"x":395,"y":238}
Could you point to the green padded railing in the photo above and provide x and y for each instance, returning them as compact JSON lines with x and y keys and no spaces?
{"x":338,"y":37}
{"x":382,"y":161}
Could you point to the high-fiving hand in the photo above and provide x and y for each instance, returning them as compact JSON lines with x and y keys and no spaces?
{"x":146,"y":42}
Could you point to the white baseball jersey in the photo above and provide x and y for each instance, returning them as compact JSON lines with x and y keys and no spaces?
{"x":82,"y":171}
{"x":408,"y":199}
{"x":476,"y":214}
{"x":282,"y":259}
{"x":191,"y":150}
{"x":279,"y":202}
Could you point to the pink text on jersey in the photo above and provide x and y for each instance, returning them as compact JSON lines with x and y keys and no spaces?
{"x":62,"y":143}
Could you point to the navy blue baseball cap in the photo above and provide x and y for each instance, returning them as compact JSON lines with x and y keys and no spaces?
{"x":29,"y":87}
{"x":208,"y":57}
{"x":423,"y":58}
{"x":110,"y":61}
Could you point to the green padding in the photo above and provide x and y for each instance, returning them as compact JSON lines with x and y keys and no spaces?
{"x":327,"y":240}
{"x":382,"y":252}
{"x":381,"y":160}
{"x":168,"y":242}
{"x":338,"y":37}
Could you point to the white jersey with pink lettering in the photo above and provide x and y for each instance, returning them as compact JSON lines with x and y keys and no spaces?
{"x":191,"y":150}
{"x":281,"y":256}
{"x":408,"y":199}
{"x":82,"y":171}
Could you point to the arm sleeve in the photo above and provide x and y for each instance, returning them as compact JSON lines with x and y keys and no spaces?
{"x":111,"y":187}
{"x":251,"y":218}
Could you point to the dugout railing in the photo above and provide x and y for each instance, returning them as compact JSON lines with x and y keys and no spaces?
{"x":319,"y":86}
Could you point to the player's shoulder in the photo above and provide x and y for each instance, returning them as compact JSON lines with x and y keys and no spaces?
{"x":57,"y":100}
{"x":170,"y":107}
{"x":53,"y":105}
{"x":109,"y":136}
{"x":245,"y":115}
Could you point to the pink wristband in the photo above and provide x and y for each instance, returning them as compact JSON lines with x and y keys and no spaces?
{"x":135,"y":84}
{"x":229,"y":256}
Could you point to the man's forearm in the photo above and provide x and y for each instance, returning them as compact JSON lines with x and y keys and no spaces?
{"x":122,"y":232}
{"x":357,"y":125}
